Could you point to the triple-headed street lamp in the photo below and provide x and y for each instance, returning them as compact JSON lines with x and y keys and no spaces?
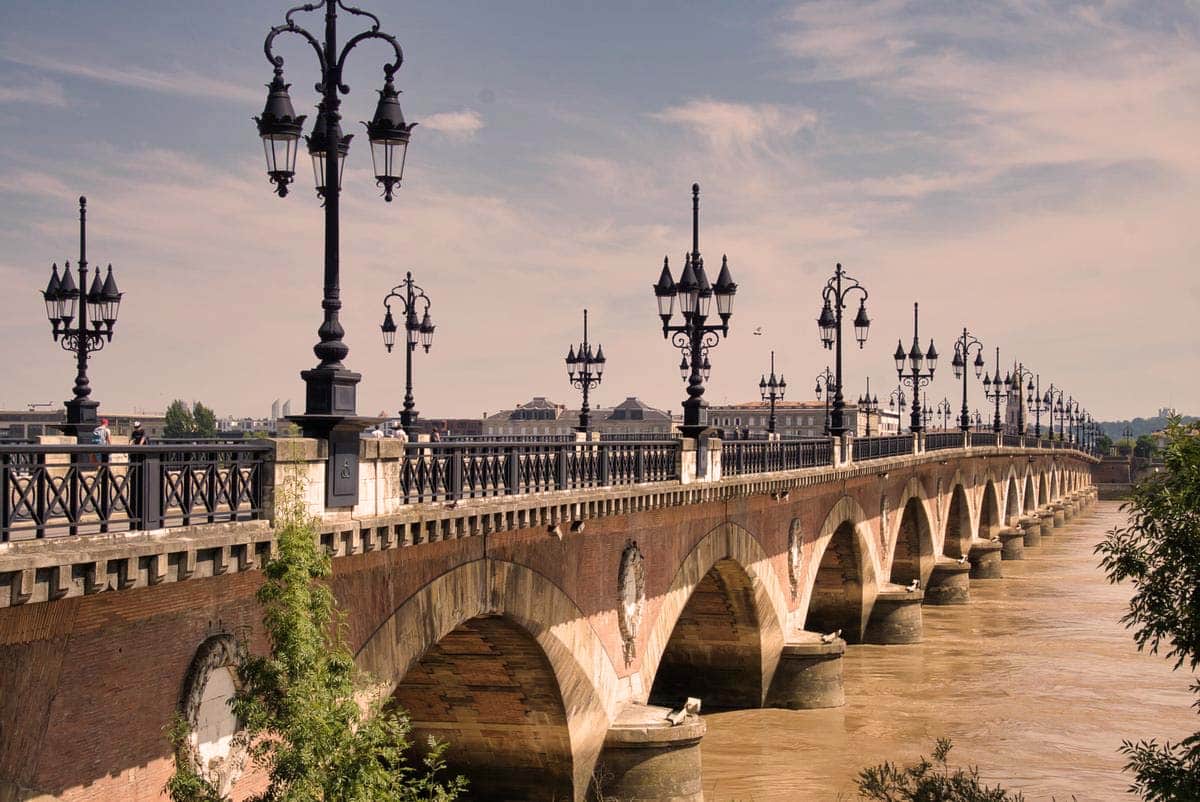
{"x":963,"y":346}
{"x":1036,"y":404}
{"x":899,"y":403}
{"x":945,"y":409}
{"x":97,"y":308}
{"x":1053,"y":401}
{"x":826,"y":387}
{"x":996,"y":390}
{"x":414,"y":304}
{"x":868,"y":405}
{"x":911,"y":373}
{"x":330,"y":397}
{"x":830,"y":323}
{"x":772,"y":390}
{"x":1022,"y":374}
{"x":585,"y":370}
{"x":695,"y":336}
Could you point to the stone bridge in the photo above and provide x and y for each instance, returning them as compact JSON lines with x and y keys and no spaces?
{"x":543,"y":635}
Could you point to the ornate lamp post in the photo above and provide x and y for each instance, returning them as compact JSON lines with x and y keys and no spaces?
{"x":978,"y":420}
{"x":1034,"y":399}
{"x":413,"y":303}
{"x":1073,"y":421}
{"x":995,"y":390}
{"x":963,"y":346}
{"x":827,"y":384}
{"x":945,"y":410}
{"x":585,"y":372}
{"x":868,"y":405}
{"x":772,"y":390}
{"x":1022,"y":374}
{"x":900,"y":403}
{"x":926,"y":412}
{"x":97,"y":307}
{"x":330,"y":397}
{"x":695,"y":336}
{"x":1053,"y":402}
{"x":911,"y":374}
{"x":830,"y":323}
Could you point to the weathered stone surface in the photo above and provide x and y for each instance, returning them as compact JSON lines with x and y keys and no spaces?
{"x":949,"y":583}
{"x":1032,"y":528}
{"x":985,"y":560}
{"x":809,"y":674}
{"x":896,"y":617}
{"x":646,"y":759}
{"x":1012,"y":544}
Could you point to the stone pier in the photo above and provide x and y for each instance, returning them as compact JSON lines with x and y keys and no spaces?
{"x":1032,"y":527}
{"x":809,"y":674}
{"x":949,"y":582}
{"x":647,"y":759}
{"x":896,"y":616}
{"x":985,"y":560}
{"x":1012,"y":543}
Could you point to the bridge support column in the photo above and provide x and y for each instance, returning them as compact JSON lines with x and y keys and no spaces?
{"x":646,"y":759}
{"x":1012,"y":543}
{"x":1060,"y":518}
{"x":1068,"y":508}
{"x":1032,"y":527}
{"x":985,"y":560}
{"x":896,"y":616}
{"x":1046,"y":517}
{"x":949,"y":583}
{"x":809,"y":675}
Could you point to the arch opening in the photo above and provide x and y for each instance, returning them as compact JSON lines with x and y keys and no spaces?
{"x":1043,"y":490}
{"x":488,"y":689}
{"x":914,"y":545}
{"x":957,"y":542}
{"x":989,"y":513}
{"x":1012,"y":505}
{"x":715,"y":651}
{"x":1030,"y":499}
{"x":837,"y":594}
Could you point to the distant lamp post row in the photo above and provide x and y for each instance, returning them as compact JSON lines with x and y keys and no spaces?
{"x":1022,"y":374}
{"x":695,"y":336}
{"x":1053,"y":402}
{"x":331,"y":388}
{"x":772,"y":390}
{"x":1036,"y":405}
{"x":413,"y":303}
{"x":963,"y":346}
{"x":585,"y":371}
{"x":81,"y":321}
{"x":868,"y":405}
{"x":826,"y":387}
{"x":909,"y":369}
{"x":898,"y":403}
{"x":830,"y":323}
{"x":995,"y":390}
{"x":945,"y":409}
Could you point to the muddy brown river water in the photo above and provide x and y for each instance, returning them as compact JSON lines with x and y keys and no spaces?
{"x":1036,"y":681}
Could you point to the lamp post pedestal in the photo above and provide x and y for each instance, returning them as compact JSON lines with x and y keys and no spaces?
{"x":82,"y":418}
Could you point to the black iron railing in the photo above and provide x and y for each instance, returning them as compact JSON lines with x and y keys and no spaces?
{"x":866,"y":448}
{"x":62,"y":490}
{"x":741,"y":457}
{"x":936,"y":441}
{"x":1012,"y":440}
{"x":983,"y":439}
{"x":450,"y":471}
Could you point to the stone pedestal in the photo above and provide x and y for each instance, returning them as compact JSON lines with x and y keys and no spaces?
{"x":1060,"y":518}
{"x":1046,"y":517}
{"x":985,"y":560}
{"x":1012,"y":543}
{"x":1032,"y":527}
{"x":809,"y":674}
{"x":1068,"y":509}
{"x":896,"y":616}
{"x":949,"y":583}
{"x":645,"y":759}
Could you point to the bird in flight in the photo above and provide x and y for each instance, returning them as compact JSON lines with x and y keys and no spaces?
{"x":758,"y":331}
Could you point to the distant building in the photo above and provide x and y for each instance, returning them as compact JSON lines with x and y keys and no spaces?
{"x":795,"y":419}
{"x":29,"y":425}
{"x":542,"y":417}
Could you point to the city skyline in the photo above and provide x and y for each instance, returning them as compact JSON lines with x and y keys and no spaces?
{"x":1045,"y":147}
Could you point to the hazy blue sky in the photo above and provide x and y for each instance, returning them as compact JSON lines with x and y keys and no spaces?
{"x":1028,"y":169}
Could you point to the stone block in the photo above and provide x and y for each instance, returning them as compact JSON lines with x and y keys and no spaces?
{"x":949,"y":583}
{"x":985,"y":560}
{"x":895,"y":617}
{"x":809,"y":674}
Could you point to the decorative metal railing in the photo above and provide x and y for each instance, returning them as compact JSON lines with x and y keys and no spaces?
{"x":455,"y":470}
{"x":1012,"y":440}
{"x":867,"y":448}
{"x":983,"y":439}
{"x":60,"y":490}
{"x":741,"y":457}
{"x":936,"y":441}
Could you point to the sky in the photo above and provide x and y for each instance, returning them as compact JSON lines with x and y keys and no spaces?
{"x":1029,"y":170}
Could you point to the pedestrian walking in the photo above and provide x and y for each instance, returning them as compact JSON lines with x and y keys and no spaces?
{"x":102,"y":435}
{"x":138,"y":436}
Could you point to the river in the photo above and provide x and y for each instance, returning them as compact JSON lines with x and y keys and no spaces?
{"x":1036,"y":681}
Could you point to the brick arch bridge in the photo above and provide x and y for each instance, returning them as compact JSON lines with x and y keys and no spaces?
{"x":542,"y":635}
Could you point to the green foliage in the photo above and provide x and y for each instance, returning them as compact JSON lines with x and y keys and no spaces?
{"x":1125,"y":446}
{"x":311,"y":722}
{"x":1159,"y":551}
{"x":929,"y":780}
{"x":179,"y":420}
{"x":1145,"y":447}
{"x":1104,"y":444}
{"x":206,"y":420}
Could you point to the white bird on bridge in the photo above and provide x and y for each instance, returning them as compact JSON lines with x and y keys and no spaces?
{"x":831,"y":636}
{"x":962,"y":560}
{"x":912,"y":586}
{"x":690,"y":708}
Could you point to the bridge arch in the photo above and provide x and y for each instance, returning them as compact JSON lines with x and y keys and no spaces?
{"x":912,"y":543}
{"x":1029,"y":499}
{"x":1012,"y":500}
{"x":989,"y":511}
{"x":956,"y":542}
{"x":720,"y":625}
{"x":845,"y":580}
{"x":1043,"y":489}
{"x":507,"y":644}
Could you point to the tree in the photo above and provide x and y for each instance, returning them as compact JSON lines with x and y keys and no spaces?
{"x":1125,"y":446}
{"x":179,"y":420}
{"x":929,"y":781}
{"x":206,"y":420}
{"x":308,"y":719}
{"x":1104,"y":444}
{"x":1145,"y":447}
{"x":1159,"y":552}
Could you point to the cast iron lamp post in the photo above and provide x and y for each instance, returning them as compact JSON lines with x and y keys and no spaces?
{"x":926,"y":412}
{"x":830,"y":323}
{"x":995,"y":390}
{"x":695,"y":337}
{"x":97,"y":307}
{"x":945,"y":410}
{"x":978,"y":420}
{"x":330,"y":397}
{"x":1022,"y":374}
{"x":911,"y":374}
{"x":1073,"y":421}
{"x":1053,"y":402}
{"x":826,"y":383}
{"x":585,"y":371}
{"x":868,"y":405}
{"x":963,"y":346}
{"x":1034,"y":400}
{"x":411,"y":299}
{"x":772,"y":390}
{"x":899,"y":403}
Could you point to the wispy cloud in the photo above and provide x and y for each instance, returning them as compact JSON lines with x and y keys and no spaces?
{"x":41,"y":92}
{"x":463,"y":124}
{"x":725,"y":124}
{"x":172,"y":81}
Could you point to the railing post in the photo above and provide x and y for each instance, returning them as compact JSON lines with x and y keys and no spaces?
{"x":842,"y":451}
{"x":149,"y":506}
{"x":560,"y":473}
{"x":604,"y":465}
{"x":639,"y":463}
{"x":454,"y":485}
{"x":512,"y":479}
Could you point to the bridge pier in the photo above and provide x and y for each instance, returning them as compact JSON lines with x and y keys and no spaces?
{"x":1031,"y":525}
{"x":949,"y":583}
{"x":809,"y":675}
{"x":1068,"y":510}
{"x":1060,"y":517}
{"x":895,"y":617}
{"x":985,"y":560}
{"x":1046,"y":519}
{"x":646,"y":759}
{"x":1012,"y":543}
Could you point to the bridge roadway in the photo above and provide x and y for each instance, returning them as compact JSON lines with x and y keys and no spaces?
{"x":543,"y":635}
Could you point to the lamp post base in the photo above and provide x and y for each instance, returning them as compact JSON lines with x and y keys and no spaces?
{"x":329,"y":391}
{"x":81,"y":418}
{"x":331,"y":396}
